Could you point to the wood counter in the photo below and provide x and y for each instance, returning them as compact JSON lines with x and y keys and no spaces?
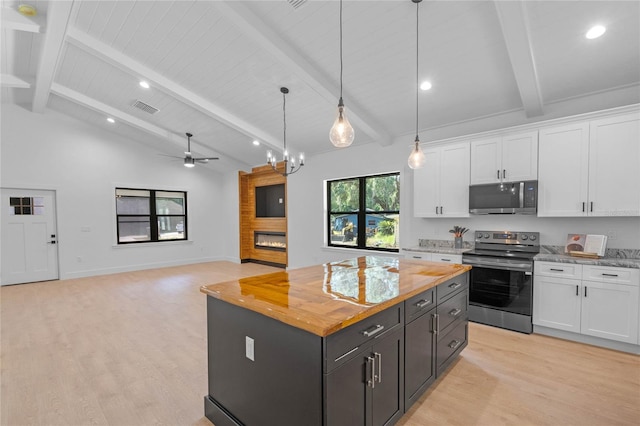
{"x":346,"y":343}
{"x":323,"y":299}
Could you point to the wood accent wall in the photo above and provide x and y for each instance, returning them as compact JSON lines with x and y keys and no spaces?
{"x":249,"y":223}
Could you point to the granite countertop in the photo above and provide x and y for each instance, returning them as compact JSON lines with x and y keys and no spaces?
{"x":442,"y":250}
{"x":604,"y":261}
{"x":323,"y":299}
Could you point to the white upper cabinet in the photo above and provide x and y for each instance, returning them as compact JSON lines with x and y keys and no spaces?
{"x":441,"y":186}
{"x":505,"y":158}
{"x":590,"y":169}
{"x":614,"y":166}
{"x":563,"y":170}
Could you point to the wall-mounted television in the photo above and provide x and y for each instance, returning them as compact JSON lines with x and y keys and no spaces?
{"x":270,"y":201}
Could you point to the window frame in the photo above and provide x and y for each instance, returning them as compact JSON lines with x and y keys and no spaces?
{"x":361,"y":213}
{"x":153,"y":217}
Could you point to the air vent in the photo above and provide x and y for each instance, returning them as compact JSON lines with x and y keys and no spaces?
{"x":296,"y":3}
{"x":145,"y":107}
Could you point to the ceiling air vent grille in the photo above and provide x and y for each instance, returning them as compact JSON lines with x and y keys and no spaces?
{"x":296,"y":3}
{"x":145,"y":107}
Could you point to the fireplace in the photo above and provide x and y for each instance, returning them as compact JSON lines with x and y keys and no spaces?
{"x":270,"y":240}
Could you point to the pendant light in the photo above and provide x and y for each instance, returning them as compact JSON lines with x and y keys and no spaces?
{"x":289,"y":163}
{"x":341,"y":134}
{"x":416,"y":158}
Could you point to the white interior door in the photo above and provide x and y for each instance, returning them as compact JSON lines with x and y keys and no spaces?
{"x":29,"y":236}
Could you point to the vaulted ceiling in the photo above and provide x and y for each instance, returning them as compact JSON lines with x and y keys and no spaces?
{"x":215,"y":68}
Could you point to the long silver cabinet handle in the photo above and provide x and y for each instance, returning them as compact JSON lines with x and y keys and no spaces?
{"x":378,"y":358}
{"x":455,"y":312}
{"x":372,"y":362}
{"x":376,"y":329}
{"x":455,"y":344}
{"x":421,"y":304}
{"x":347,"y":354}
{"x":454,"y":285}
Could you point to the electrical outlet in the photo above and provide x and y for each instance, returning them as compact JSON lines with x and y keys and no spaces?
{"x":249,"y":348}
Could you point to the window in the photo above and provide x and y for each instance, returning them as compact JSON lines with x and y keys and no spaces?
{"x":144,"y":215}
{"x":364,"y":212}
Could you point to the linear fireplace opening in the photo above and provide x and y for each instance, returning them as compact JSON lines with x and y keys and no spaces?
{"x":270,"y":240}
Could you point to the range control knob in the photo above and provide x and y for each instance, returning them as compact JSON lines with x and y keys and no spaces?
{"x":479,"y":235}
{"x":486,"y":235}
{"x":532,"y":237}
{"x":524,"y":237}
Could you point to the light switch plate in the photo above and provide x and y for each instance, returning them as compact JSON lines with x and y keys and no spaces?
{"x":249,"y":348}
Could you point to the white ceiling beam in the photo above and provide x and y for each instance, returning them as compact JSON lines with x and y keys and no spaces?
{"x":111,"y":56}
{"x":256,"y":29}
{"x":9,"y":80}
{"x":123,"y":117}
{"x":14,"y":20}
{"x":515,"y":30}
{"x":57,"y":19}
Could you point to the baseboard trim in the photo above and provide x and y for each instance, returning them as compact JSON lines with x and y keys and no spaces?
{"x":589,"y":340}
{"x":137,"y":267}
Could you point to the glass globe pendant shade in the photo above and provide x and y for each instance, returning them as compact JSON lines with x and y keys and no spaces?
{"x":416,"y":158}
{"x":341,"y":134}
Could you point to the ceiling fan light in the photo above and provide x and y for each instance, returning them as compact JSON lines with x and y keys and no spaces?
{"x":189,"y":162}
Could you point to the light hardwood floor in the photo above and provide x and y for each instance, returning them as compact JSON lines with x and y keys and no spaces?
{"x":130,"y":349}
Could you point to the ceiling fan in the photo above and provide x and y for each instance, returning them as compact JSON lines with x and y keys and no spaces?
{"x":189,"y":160}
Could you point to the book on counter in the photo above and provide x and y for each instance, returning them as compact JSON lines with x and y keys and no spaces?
{"x":586,"y":245}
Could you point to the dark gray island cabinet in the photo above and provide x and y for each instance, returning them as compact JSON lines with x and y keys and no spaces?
{"x":358,"y":350}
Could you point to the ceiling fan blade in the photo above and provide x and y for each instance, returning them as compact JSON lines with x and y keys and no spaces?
{"x":172,"y":156}
{"x":206,"y":159}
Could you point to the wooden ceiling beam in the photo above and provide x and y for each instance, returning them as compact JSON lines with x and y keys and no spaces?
{"x":58,"y":15}
{"x":517,"y":37}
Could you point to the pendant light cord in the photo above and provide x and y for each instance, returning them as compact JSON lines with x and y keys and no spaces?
{"x":340,"y":51}
{"x":284,"y":119}
{"x":417,"y":61}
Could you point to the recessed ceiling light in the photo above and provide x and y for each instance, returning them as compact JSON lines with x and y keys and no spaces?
{"x":595,"y":32}
{"x":111,"y":120}
{"x":256,"y":143}
{"x":144,"y":84}
{"x":425,"y":85}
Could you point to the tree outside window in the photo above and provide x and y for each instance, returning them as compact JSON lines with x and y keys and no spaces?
{"x":364,"y":212}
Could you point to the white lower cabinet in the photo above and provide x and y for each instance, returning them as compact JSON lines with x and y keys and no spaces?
{"x":435,"y":257}
{"x":598,"y":301}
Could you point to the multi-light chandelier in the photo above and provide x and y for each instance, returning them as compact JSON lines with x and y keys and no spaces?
{"x":290,"y":166}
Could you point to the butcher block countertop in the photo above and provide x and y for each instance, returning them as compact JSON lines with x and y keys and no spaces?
{"x":323,"y":299}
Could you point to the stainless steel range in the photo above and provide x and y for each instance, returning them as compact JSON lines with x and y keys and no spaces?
{"x":501,"y":282}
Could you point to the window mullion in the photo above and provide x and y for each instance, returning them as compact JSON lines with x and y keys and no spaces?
{"x":154,"y":217}
{"x":362,"y":214}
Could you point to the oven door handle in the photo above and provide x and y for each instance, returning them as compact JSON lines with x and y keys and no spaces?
{"x":521,"y":267}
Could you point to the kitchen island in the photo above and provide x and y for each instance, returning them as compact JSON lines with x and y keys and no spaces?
{"x":343,"y":343}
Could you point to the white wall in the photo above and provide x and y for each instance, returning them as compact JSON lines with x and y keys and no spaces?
{"x":306,"y":217}
{"x":306,"y":214}
{"x":84,"y":164}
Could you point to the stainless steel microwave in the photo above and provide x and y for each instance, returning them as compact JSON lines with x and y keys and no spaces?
{"x":504,"y":198}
